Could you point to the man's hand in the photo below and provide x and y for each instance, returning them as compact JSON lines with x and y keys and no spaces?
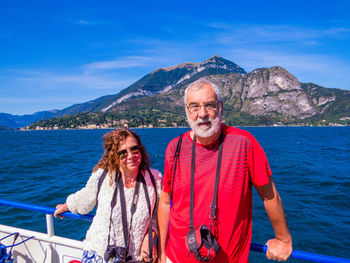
{"x":61,"y":208}
{"x":278,"y":250}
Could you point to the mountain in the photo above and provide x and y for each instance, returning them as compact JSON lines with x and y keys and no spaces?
{"x":264,"y":96}
{"x":159,"y":81}
{"x":16,"y":121}
{"x":5,"y":128}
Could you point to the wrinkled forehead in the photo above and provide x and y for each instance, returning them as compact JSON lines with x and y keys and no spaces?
{"x":202,"y":93}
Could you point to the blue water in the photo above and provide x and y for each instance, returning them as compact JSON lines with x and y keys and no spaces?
{"x":311,"y":168}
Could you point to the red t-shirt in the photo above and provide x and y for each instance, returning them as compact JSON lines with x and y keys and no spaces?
{"x":243,"y":164}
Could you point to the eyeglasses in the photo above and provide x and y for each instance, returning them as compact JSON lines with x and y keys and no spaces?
{"x":210,"y":106}
{"x":124,"y":153}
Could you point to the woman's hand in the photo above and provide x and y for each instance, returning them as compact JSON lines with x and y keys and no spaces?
{"x":162,"y":259}
{"x":145,"y":251}
{"x":61,"y":208}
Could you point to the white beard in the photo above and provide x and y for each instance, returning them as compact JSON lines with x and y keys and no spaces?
{"x":205,"y":131}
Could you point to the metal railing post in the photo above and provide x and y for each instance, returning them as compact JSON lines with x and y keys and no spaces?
{"x":49,"y":225}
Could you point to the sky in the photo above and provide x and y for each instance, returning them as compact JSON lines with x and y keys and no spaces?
{"x":54,"y":54}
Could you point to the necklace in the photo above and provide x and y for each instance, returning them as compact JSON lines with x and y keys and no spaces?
{"x":129,"y":182}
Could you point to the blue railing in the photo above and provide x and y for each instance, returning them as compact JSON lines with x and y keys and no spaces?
{"x":297,"y":254}
{"x":44,"y":209}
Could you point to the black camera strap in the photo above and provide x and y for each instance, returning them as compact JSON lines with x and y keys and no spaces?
{"x":113,"y":202}
{"x":120,"y":185}
{"x":99,"y":184}
{"x":150,"y":238}
{"x":217,"y":178}
{"x":191,"y":236}
{"x":126,"y":230}
{"x":176,"y":156}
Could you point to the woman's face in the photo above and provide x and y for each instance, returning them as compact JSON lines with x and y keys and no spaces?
{"x":129,"y":155}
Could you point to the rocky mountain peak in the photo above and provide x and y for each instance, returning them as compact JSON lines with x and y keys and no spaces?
{"x":214,"y":58}
{"x":163,"y":80}
{"x":220,"y":63}
{"x":277,"y":79}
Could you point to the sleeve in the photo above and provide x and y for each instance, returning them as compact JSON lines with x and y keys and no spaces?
{"x":158,"y":178}
{"x":168,"y":165}
{"x":259,"y":167}
{"x":84,"y":200}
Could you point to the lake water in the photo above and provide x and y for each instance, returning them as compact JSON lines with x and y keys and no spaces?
{"x":310,"y":165}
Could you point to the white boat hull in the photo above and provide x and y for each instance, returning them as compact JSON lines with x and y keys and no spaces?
{"x":43,"y":248}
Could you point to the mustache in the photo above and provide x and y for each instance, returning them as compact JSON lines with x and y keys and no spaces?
{"x":206,"y":119}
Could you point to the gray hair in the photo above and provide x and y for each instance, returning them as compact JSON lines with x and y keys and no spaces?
{"x":198,"y":84}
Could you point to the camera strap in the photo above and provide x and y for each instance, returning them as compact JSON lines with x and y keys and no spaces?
{"x":217,"y":178}
{"x":120,"y":185}
{"x":176,"y":156}
{"x":100,"y":181}
{"x":150,"y":238}
{"x":113,"y":202}
{"x":192,"y":243}
{"x":126,"y":230}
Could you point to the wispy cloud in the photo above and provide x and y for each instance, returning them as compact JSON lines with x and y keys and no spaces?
{"x":325,"y":70}
{"x":35,"y":90}
{"x":79,"y":21}
{"x":30,"y":79}
{"x":120,"y":63}
{"x":281,"y":34}
{"x":26,"y":100}
{"x":79,"y":81}
{"x":85,"y":22}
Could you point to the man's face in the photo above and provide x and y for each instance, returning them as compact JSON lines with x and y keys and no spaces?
{"x":203,"y":111}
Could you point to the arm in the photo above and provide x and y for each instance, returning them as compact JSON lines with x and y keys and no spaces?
{"x":163,"y":223}
{"x":84,"y":200}
{"x":280,"y":247}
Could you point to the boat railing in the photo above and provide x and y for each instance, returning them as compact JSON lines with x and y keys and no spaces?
{"x":49,"y":211}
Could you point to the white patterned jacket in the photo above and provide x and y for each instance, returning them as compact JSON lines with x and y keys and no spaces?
{"x":84,"y":200}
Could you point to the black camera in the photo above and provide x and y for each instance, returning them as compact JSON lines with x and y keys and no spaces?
{"x":117,"y":253}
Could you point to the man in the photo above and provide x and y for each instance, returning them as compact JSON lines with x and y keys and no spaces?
{"x":243,"y":164}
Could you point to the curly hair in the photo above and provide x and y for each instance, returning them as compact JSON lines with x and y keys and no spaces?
{"x":110,"y":160}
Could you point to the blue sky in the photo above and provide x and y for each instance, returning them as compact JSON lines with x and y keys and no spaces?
{"x":57,"y":53}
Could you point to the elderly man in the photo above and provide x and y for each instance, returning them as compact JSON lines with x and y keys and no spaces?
{"x":225,"y":207}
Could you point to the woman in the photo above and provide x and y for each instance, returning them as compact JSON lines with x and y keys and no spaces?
{"x":125,"y":165}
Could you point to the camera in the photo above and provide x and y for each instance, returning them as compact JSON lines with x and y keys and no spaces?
{"x":117,"y":253}
{"x":202,"y":243}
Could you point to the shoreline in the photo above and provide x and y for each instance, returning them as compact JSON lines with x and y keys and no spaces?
{"x":181,"y":127}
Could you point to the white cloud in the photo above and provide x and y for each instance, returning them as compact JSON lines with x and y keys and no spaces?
{"x":77,"y":21}
{"x":273,"y":36}
{"x":78,"y":81}
{"x":21,"y":100}
{"x":119,"y":63}
{"x":324,"y":70}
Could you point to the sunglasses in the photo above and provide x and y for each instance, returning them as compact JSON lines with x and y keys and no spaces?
{"x":124,"y":153}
